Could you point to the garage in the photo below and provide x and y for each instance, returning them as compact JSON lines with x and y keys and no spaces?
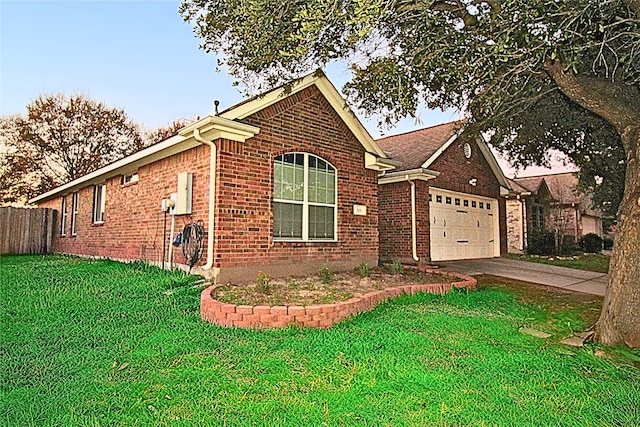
{"x":462,"y":226}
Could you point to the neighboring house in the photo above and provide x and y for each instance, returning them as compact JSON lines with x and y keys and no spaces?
{"x":443,"y":201}
{"x":549,"y":202}
{"x":282,"y":183}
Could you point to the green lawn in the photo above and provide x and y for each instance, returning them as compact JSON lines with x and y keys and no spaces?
{"x":590,"y":262}
{"x":98,"y":343}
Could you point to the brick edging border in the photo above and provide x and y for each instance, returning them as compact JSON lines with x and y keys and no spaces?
{"x":314,"y":316}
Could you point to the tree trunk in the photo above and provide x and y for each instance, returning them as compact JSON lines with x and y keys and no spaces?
{"x":619,"y":104}
{"x":620,"y":318}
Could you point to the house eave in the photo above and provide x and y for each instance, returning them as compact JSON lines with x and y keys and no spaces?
{"x":378,"y":163}
{"x":174,"y":145}
{"x":214,"y":127}
{"x":420,"y":174}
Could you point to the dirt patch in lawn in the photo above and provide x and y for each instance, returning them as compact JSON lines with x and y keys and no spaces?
{"x":326,"y":288}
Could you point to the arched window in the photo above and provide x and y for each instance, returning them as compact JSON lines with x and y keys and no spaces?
{"x":304,"y":198}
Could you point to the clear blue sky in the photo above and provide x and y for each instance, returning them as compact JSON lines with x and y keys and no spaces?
{"x":136,"y":55}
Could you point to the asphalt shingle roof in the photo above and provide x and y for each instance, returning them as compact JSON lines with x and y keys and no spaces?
{"x":562,"y":186}
{"x":414,"y":148}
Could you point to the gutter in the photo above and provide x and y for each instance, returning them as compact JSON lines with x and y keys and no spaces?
{"x":212,"y":201}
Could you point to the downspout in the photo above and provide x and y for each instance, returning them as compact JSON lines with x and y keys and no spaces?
{"x":525,"y":224}
{"x":414,"y":231}
{"x":212,"y":201}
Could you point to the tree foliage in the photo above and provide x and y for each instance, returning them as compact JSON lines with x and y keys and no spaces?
{"x":60,"y":139}
{"x":493,"y":59}
{"x":165,"y":132}
{"x":536,"y":74}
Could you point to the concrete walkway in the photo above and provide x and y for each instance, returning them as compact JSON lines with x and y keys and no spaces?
{"x":561,"y":277}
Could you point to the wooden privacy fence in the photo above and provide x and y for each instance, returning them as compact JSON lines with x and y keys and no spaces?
{"x":26,"y":231}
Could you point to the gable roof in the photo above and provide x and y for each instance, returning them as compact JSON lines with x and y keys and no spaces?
{"x":562,"y":186}
{"x":320,"y":80}
{"x":420,"y":148}
{"x":228,"y":125}
{"x":413,"y":149}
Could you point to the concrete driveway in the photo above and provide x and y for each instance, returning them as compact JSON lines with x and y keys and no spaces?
{"x":561,"y":277}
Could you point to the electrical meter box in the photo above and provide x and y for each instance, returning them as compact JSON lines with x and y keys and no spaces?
{"x":183,"y":196}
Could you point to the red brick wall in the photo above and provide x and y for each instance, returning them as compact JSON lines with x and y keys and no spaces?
{"x":133,"y":220}
{"x":395,"y":221}
{"x":455,"y":172}
{"x":243,"y":245}
{"x":302,"y":122}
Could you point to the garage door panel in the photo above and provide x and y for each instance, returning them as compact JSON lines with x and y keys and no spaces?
{"x":461,"y":232}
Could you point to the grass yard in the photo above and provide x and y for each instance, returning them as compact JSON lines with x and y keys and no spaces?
{"x":98,"y":343}
{"x":590,"y":262}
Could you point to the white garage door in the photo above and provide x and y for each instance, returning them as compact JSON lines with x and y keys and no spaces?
{"x":462,"y":226}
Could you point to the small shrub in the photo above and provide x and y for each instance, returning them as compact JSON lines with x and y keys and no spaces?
{"x":591,"y":243}
{"x":607,"y":243}
{"x":396,"y":267}
{"x":363,"y":270}
{"x":569,"y":246}
{"x":541,"y":242}
{"x":325,"y":275}
{"x":262,"y":283}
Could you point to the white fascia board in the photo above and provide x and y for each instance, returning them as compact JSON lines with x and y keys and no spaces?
{"x":493,"y":163}
{"x":168,"y":147}
{"x":441,"y":150}
{"x":330,"y":93}
{"x":340,"y":106}
{"x":409,"y":175}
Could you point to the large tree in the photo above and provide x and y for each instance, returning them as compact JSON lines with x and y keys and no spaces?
{"x":501,"y":61}
{"x":60,"y":139}
{"x":165,"y":132}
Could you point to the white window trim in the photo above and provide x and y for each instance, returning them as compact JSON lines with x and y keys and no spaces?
{"x":130,"y":178}
{"x":305,"y":204}
{"x":74,"y":214}
{"x":63,"y":217}
{"x":98,"y":216}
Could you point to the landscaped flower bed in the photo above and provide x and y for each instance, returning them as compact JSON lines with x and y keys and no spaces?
{"x":311,"y":303}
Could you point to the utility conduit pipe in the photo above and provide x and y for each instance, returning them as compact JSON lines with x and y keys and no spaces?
{"x":212,"y":201}
{"x":414,"y":231}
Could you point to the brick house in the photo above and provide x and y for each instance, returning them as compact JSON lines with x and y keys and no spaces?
{"x":282,"y":183}
{"x":444,"y":199}
{"x":549,"y":202}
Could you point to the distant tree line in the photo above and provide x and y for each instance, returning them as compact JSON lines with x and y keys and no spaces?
{"x":61,"y":138}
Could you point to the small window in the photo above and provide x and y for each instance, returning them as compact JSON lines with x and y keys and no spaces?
{"x":430,"y":197}
{"x":99,"y":195}
{"x":126,"y":179}
{"x":466,"y":202}
{"x":438,"y":199}
{"x":481,"y":205}
{"x":488,"y":206}
{"x":448,"y":200}
{"x":473,"y":204}
{"x":63,"y":217}
{"x":457,"y":202}
{"x":74,"y":213}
